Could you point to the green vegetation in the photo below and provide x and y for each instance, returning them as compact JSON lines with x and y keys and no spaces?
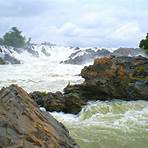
{"x":144,"y":44}
{"x":14,"y":38}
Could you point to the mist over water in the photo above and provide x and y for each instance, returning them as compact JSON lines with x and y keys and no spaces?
{"x":43,"y":73}
{"x":115,"y":124}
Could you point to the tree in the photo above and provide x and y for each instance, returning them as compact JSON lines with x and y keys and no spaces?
{"x":14,"y":38}
{"x":144,"y":44}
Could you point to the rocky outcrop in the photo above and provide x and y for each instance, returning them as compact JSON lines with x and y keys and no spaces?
{"x":124,"y":78}
{"x":113,"y":78}
{"x":22,"y":124}
{"x":11,"y":59}
{"x":85,"y":56}
{"x":7,"y":57}
{"x":69,"y":103}
{"x":128,"y":52}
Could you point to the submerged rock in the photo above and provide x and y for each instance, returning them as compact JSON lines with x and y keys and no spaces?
{"x":22,"y":124}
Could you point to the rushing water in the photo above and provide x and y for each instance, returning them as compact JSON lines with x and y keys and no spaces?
{"x":116,"y":124}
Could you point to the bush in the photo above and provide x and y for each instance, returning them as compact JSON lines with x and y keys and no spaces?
{"x":144,"y":44}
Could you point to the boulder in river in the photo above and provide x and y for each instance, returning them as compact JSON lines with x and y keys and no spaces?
{"x":113,"y":78}
{"x":69,"y":103}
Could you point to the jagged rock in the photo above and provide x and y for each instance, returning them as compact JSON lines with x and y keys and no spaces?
{"x":6,"y":59}
{"x":10,"y":59}
{"x":31,"y":51}
{"x":45,"y":52}
{"x":22,"y":124}
{"x":85,"y":56}
{"x":113,"y":78}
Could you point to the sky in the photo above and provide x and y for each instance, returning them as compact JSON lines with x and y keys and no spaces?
{"x":84,"y":23}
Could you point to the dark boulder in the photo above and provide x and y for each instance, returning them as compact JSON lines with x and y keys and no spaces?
{"x":70,"y":103}
{"x":22,"y":124}
{"x":73,"y":104}
{"x":113,"y":78}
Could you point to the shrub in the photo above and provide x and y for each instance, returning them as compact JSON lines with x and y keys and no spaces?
{"x":144,"y":44}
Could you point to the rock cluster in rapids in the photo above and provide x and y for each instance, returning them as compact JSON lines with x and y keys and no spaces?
{"x":108,"y":78}
{"x":23,"y":125}
{"x":88,"y":55}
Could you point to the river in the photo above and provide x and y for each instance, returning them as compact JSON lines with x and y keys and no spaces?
{"x":116,"y":124}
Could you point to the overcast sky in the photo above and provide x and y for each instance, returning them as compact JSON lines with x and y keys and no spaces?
{"x":101,"y":23}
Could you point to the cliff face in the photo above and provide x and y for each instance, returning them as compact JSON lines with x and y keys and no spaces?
{"x":22,"y":124}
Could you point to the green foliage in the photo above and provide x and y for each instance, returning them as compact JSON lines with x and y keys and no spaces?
{"x":144,"y":44}
{"x":14,"y":38}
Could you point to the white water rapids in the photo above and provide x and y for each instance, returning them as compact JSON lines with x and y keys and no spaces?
{"x":116,"y":124}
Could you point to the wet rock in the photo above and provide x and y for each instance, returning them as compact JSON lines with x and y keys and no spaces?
{"x":85,"y":56}
{"x":45,"y":52}
{"x":73,"y":104}
{"x":10,"y":59}
{"x":70,"y":103}
{"x":22,"y":124}
{"x":6,"y":59}
{"x":31,"y":51}
{"x":113,"y":78}
{"x":2,"y":62}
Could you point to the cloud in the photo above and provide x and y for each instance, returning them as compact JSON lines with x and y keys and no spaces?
{"x":111,"y":23}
